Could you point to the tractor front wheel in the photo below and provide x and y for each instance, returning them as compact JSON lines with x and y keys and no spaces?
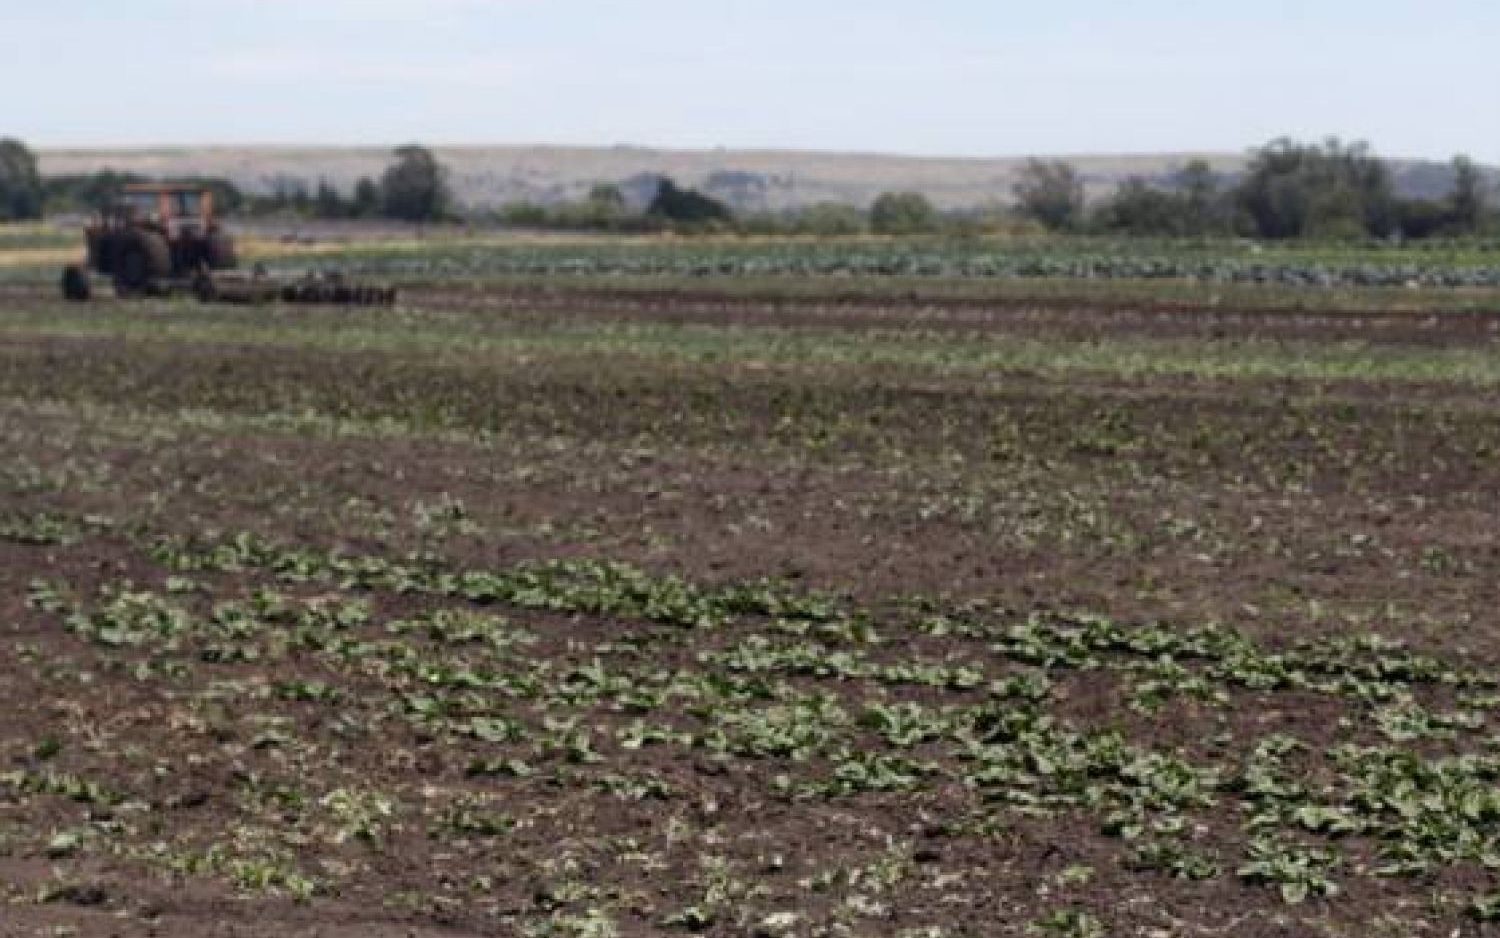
{"x":75,"y":284}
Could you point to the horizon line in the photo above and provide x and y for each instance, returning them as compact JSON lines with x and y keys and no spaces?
{"x":139,"y":148}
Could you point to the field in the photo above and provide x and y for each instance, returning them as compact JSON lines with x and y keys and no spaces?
{"x":759,"y":589}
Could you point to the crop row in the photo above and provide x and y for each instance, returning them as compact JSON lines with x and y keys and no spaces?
{"x":956,"y":262}
{"x":841,"y":702}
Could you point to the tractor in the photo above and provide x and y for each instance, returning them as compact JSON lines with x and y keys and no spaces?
{"x":157,"y":239}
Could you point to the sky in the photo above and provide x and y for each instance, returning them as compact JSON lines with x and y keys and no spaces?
{"x":930,"y":77}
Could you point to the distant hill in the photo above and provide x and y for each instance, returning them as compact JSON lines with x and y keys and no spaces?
{"x":750,"y":180}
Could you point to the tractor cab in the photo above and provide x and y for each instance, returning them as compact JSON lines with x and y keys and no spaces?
{"x":173,"y":209}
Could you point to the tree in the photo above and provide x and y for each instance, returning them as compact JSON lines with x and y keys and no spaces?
{"x":1139,"y":208}
{"x":607,"y":197}
{"x":829,"y":219}
{"x":1203,"y":204}
{"x":1294,"y":190}
{"x":1423,"y":218}
{"x":1469,"y":197}
{"x":415,"y":187}
{"x":367,"y":200}
{"x":1050,"y":192}
{"x":604,"y":209}
{"x":676,"y":204}
{"x":902,"y":213}
{"x":327,"y":203}
{"x":288,"y":194}
{"x":90,"y":192}
{"x":21,"y":188}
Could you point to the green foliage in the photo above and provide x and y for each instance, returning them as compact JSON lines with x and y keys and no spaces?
{"x":1205,"y":206}
{"x":1138,"y":208}
{"x":328,"y":203}
{"x":87,"y":193}
{"x":902,"y":213}
{"x":415,"y":187}
{"x":1308,"y":190}
{"x":607,"y":197}
{"x":687,"y":206}
{"x":1293,"y":190}
{"x":1470,"y":201}
{"x":1192,"y":205}
{"x":38,"y":530}
{"x":20,"y":184}
{"x":1422,"y":218}
{"x":1068,"y":923}
{"x":366,"y":201}
{"x":1050,"y":192}
{"x":604,"y":209}
{"x":829,"y":220}
{"x":1042,"y":259}
{"x":1299,"y":872}
{"x":1173,"y":859}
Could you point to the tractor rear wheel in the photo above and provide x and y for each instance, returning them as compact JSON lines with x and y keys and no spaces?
{"x":144,"y":258}
{"x":75,"y":284}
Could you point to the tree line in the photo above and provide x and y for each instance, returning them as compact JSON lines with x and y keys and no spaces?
{"x":414,"y":187}
{"x":1289,"y":190}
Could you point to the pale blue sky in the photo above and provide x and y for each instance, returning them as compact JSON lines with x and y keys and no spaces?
{"x":965,"y":77}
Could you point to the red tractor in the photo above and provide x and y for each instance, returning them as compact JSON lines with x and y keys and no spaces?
{"x":162,"y":238}
{"x":152,"y":238}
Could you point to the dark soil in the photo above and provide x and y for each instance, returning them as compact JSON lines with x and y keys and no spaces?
{"x":1208,"y":316}
{"x":1288,"y":511}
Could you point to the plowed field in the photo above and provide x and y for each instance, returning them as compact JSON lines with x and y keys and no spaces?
{"x":521,"y":611}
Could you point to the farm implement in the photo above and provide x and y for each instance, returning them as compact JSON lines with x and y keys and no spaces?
{"x":164,"y":239}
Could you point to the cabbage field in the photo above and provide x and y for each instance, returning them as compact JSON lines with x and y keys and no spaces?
{"x":1371,"y":267}
{"x":786,"y":590}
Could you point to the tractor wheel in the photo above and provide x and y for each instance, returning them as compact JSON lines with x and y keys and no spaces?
{"x":144,"y":258}
{"x":219,"y":251}
{"x":75,"y":284}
